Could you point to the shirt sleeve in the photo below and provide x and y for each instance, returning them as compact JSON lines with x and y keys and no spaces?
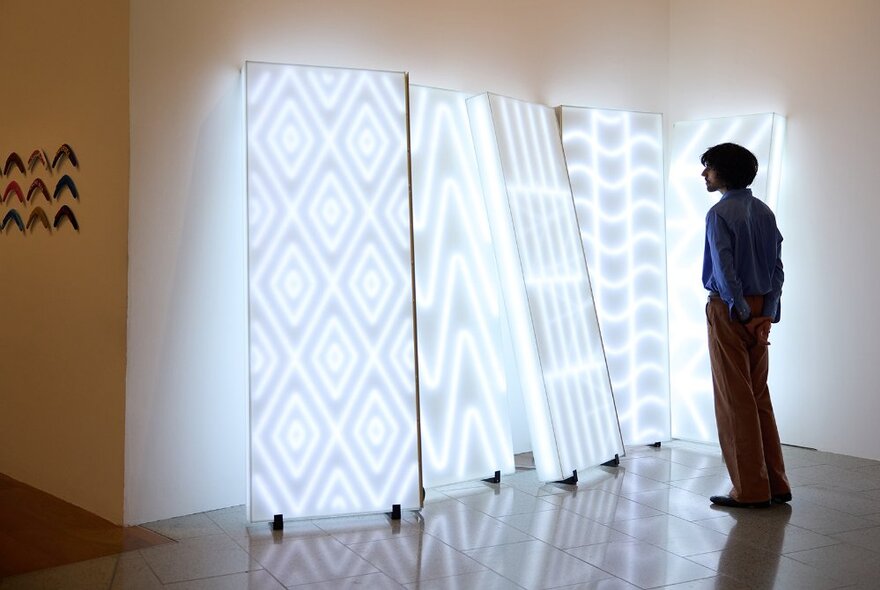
{"x":773,"y":299}
{"x":721,"y":245}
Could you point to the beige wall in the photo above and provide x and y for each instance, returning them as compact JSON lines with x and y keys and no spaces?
{"x":816,"y":63}
{"x":63,"y":296}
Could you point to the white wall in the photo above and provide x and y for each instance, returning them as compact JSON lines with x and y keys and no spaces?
{"x":185,"y":427}
{"x":816,"y":63}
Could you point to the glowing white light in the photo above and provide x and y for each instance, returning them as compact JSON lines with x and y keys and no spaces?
{"x":332,"y":385}
{"x":462,"y":392}
{"x":552,"y":318}
{"x":615,"y":163}
{"x":687,"y":201}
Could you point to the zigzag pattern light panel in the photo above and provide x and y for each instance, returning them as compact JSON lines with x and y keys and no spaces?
{"x":615,"y":163}
{"x":550,"y":309}
{"x":687,"y":202}
{"x":462,"y":389}
{"x":333,"y":424}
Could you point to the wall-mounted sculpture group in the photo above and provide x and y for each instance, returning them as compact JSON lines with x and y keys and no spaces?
{"x":418,"y":265}
{"x":33,"y":215}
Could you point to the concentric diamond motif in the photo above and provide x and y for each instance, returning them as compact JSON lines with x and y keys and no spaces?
{"x":295,"y":437}
{"x":293,"y":284}
{"x":290,"y":140}
{"x":335,"y":359}
{"x":377,"y":431}
{"x":330,"y":287}
{"x":371,"y":284}
{"x":331,"y":211}
{"x":367,"y":142}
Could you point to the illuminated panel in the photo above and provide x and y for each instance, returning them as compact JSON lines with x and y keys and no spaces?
{"x":462,"y":392}
{"x":615,"y":163}
{"x":687,"y":202}
{"x":550,"y":310}
{"x":333,"y":426}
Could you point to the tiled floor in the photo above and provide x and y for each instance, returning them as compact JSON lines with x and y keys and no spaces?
{"x":646,"y":524}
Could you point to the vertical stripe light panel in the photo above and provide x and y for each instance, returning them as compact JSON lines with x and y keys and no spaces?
{"x":687,"y":202}
{"x":462,"y":390}
{"x":333,"y":426}
{"x":615,"y":163}
{"x":572,"y":416}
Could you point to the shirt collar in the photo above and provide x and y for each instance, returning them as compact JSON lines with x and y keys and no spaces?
{"x":737,"y":192}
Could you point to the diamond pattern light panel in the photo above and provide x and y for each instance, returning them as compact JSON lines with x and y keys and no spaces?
{"x":333,"y":426}
{"x":687,"y":202}
{"x":462,"y":391}
{"x":615,"y":163}
{"x":547,"y":293}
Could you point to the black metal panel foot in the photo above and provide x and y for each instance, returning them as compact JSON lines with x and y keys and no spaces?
{"x":494,"y":479}
{"x":278,"y":523}
{"x":615,"y":462}
{"x":395,"y":512}
{"x":656,"y":445}
{"x":570,"y":480}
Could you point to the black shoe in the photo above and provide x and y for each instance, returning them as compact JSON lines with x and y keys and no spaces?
{"x":729,"y":502}
{"x":781,"y":498}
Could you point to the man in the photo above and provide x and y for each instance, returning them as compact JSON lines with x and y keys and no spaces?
{"x":742,"y":270}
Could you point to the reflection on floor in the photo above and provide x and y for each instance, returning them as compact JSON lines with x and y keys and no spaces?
{"x":645,"y":524}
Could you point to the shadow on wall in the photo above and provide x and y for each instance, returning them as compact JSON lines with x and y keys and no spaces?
{"x":189,"y":452}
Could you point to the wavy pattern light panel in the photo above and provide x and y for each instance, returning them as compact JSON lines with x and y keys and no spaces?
{"x":687,"y":202}
{"x":615,"y":163}
{"x":333,"y":426}
{"x":462,"y":391}
{"x":552,"y":317}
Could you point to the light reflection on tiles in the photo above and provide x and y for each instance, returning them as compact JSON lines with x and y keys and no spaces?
{"x":615,"y":530}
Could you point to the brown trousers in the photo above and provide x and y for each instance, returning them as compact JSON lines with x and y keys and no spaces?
{"x":746,"y":424}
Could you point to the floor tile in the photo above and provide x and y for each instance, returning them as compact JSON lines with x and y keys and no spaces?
{"x":773,"y":571}
{"x":377,"y":581}
{"x":844,"y":562}
{"x":362,"y":529}
{"x":133,"y":573}
{"x":484,"y":580}
{"x":642,"y":564}
{"x":677,"y":502}
{"x":625,"y":482}
{"x":94,"y":574}
{"x":833,"y":477}
{"x":260,"y":580}
{"x":646,"y":523}
{"x":855,"y":503}
{"x":469,"y":529}
{"x":604,"y":584}
{"x":198,"y":557}
{"x":303,"y":561}
{"x":601,"y":506}
{"x":418,"y":557}
{"x":673,"y":534}
{"x":715,"y":583}
{"x":502,"y":501}
{"x":866,"y":538}
{"x":826,"y":521}
{"x":766,"y":535}
{"x":185,"y":527}
{"x":562,"y":528}
{"x":661,"y":470}
{"x":534,"y":564}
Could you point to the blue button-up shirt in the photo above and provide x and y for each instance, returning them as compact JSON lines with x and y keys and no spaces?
{"x":743,"y":254}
